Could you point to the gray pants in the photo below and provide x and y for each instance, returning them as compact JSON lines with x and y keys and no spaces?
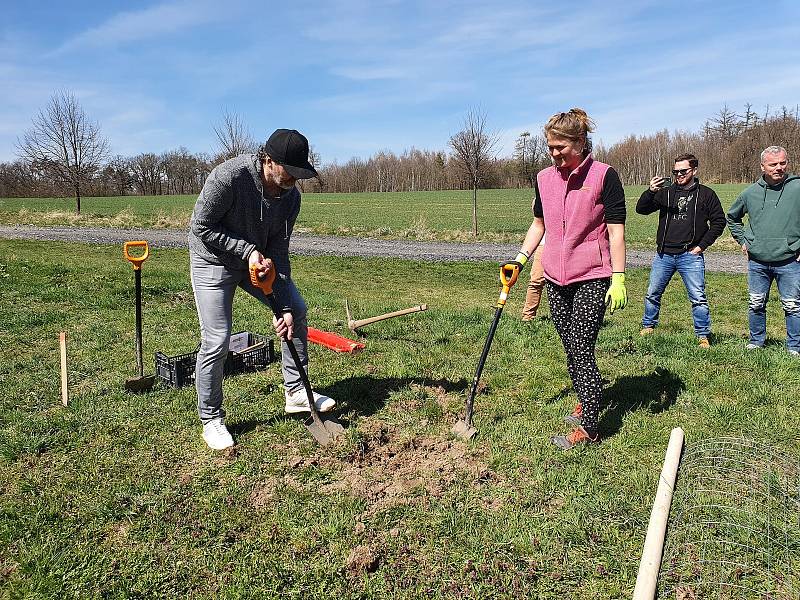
{"x":214,"y":287}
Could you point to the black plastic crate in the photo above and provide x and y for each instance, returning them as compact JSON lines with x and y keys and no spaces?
{"x":178,"y":371}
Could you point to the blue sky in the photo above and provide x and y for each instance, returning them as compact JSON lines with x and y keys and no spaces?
{"x":357,"y":77}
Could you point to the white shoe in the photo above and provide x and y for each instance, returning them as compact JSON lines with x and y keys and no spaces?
{"x":297,"y":402}
{"x":217,"y":435}
{"x":752,"y":347}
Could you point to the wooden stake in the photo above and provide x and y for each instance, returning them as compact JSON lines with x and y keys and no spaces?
{"x":62,"y":338}
{"x":650,"y":564}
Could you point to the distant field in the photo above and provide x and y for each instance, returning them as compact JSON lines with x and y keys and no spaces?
{"x":503,"y":215}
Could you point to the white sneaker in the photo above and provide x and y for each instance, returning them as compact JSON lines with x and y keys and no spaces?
{"x":752,"y":347}
{"x":297,"y":402}
{"x":217,"y":435}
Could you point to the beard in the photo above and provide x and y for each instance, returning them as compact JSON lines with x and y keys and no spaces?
{"x":276,"y":178}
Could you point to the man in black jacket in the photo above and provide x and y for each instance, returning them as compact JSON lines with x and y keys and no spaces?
{"x":690,"y":218}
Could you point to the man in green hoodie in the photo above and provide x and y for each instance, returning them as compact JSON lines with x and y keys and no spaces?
{"x":771,"y":243}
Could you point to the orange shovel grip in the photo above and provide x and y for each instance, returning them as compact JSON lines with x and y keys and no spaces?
{"x":263,"y":279}
{"x":136,"y":261}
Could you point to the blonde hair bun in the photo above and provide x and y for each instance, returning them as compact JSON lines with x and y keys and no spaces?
{"x":573,"y":125}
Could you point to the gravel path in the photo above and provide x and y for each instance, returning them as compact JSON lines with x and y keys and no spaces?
{"x":307,"y":244}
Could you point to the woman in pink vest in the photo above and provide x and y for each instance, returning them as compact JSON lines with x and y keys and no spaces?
{"x":581,"y":204}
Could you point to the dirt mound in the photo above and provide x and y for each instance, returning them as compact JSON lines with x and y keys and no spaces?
{"x":362,"y":559}
{"x":386,"y":467}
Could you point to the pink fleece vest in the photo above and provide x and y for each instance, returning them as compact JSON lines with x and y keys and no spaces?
{"x":577,"y":237}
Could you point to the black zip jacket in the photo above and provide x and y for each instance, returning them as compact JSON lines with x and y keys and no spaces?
{"x":709,"y":218}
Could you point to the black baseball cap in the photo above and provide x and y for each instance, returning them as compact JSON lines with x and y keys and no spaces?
{"x":289,"y":148}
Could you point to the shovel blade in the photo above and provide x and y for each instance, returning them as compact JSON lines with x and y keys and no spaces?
{"x":463,"y":430}
{"x":324,"y":430}
{"x":139,"y":385}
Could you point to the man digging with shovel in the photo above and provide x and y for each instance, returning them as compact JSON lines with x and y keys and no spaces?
{"x":244,"y":216}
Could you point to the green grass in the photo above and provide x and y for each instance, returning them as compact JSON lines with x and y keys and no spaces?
{"x":503,"y":215}
{"x":117,"y":496}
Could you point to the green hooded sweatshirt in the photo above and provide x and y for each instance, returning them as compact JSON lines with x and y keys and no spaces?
{"x":772,"y":233}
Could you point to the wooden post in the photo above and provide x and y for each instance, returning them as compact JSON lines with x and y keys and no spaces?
{"x":62,"y":338}
{"x":650,"y":564}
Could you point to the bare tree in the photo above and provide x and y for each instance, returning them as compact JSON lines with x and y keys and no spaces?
{"x":233,"y":136}
{"x":180,"y":171}
{"x":115,"y":178}
{"x":147,"y":170}
{"x":315,"y":184}
{"x":473,"y":153}
{"x":522,"y":154}
{"x":67,"y":145}
{"x":530,"y":153}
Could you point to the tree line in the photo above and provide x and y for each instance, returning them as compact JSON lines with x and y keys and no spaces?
{"x":728,"y":146}
{"x":63,"y":153}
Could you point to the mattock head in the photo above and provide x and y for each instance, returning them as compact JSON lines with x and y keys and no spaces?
{"x":350,"y":320}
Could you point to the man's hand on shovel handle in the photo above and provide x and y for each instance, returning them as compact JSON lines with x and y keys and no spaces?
{"x":257,"y":259}
{"x":284,"y":326}
{"x":262,"y":274}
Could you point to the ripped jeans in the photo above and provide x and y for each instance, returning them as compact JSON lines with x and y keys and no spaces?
{"x":759,"y":280}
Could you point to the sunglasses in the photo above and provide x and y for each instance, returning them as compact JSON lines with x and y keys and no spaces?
{"x":681,"y":172}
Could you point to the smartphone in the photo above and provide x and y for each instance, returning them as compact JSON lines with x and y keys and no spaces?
{"x":667,"y":182}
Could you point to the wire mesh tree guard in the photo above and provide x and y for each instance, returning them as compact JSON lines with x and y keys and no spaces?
{"x":734,"y":529}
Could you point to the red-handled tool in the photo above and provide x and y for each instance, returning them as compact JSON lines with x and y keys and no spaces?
{"x":324,"y":428}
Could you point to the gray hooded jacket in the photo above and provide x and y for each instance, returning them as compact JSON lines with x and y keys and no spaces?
{"x":231,"y":218}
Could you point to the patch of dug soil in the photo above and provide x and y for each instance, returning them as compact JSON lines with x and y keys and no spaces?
{"x":263,"y":495}
{"x":388,"y":468}
{"x":362,"y":559}
{"x":684,"y":593}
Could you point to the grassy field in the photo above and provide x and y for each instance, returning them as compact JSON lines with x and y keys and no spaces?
{"x":503,"y":215}
{"x":117,"y":496}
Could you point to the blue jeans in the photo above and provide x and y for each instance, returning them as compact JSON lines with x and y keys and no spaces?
{"x":759,"y":280}
{"x":692,"y":268}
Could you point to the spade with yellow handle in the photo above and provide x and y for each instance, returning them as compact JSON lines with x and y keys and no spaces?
{"x":508,"y":277}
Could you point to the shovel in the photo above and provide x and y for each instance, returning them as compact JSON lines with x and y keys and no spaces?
{"x":324,"y":428}
{"x":141,"y":383}
{"x":464,"y":428}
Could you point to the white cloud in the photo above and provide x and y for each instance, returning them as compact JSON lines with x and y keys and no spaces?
{"x":152,"y":22}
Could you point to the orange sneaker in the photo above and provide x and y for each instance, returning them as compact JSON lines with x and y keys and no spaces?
{"x":576,"y":437}
{"x":576,"y":417}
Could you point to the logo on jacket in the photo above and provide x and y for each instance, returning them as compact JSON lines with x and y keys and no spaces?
{"x":683,"y":208}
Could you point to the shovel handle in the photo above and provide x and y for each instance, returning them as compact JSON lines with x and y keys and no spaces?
{"x":508,"y":277}
{"x":136,"y":261}
{"x":263,"y":277}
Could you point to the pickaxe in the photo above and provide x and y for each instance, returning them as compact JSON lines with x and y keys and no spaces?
{"x":353,"y":324}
